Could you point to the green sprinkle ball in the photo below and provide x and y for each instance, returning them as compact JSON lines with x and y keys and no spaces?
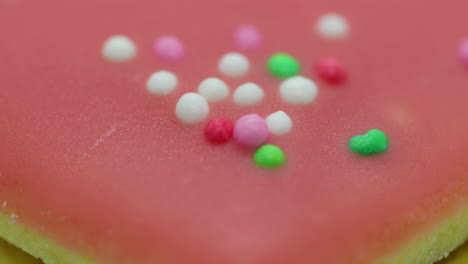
{"x":283,"y":65}
{"x":373,"y":142}
{"x":269,"y":156}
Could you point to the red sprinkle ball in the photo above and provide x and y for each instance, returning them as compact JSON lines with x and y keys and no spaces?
{"x":331,"y":70}
{"x":219,"y":130}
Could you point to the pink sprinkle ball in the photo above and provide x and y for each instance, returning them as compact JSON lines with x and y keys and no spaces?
{"x":219,"y":130}
{"x":247,"y":37}
{"x":331,"y":70}
{"x":251,"y":131}
{"x":169,"y":48}
{"x":463,"y":52}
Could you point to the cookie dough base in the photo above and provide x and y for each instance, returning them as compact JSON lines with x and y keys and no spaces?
{"x":426,"y":249}
{"x":38,"y":245}
{"x":12,"y":255}
{"x":434,"y":245}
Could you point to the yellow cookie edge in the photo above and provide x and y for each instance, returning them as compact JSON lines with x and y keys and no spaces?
{"x":428,"y":248}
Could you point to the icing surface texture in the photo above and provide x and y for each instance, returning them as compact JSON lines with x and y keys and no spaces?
{"x":91,"y":159}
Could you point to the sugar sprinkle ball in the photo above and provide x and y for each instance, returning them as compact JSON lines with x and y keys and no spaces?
{"x":463,"y":52}
{"x":169,"y":48}
{"x":279,"y":123}
{"x":192,"y":108}
{"x":251,"y":131}
{"x":332,"y":26}
{"x":233,"y":64}
{"x":373,"y":142}
{"x":119,"y":48}
{"x":161,"y":83}
{"x":248,"y":94}
{"x":269,"y":156}
{"x":298,"y":90}
{"x":283,"y":65}
{"x":213,"y":89}
{"x":331,"y":70}
{"x":247,"y":37}
{"x":219,"y":130}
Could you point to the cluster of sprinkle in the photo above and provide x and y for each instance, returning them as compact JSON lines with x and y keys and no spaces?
{"x":251,"y":130}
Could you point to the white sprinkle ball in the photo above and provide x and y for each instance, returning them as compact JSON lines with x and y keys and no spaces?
{"x":119,"y":48}
{"x":234,"y":65}
{"x":298,"y":90}
{"x":213,"y":89}
{"x":279,"y":123}
{"x":161,"y":83}
{"x":192,"y":108}
{"x":248,"y":94}
{"x":333,"y":26}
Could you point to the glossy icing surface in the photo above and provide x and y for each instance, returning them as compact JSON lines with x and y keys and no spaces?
{"x":88,"y":157}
